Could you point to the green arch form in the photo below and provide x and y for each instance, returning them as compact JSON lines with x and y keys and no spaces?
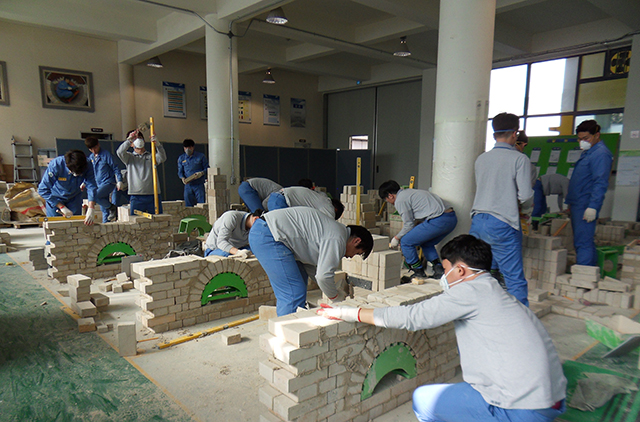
{"x":396,"y":358}
{"x":224,"y":286}
{"x":120,"y":249}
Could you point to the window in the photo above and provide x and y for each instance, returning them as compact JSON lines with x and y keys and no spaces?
{"x":359,"y":142}
{"x":507,"y":90}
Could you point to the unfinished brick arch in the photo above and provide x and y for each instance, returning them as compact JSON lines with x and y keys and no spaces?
{"x":172,"y":290}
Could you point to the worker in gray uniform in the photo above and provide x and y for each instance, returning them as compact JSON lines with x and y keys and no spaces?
{"x":140,"y":171}
{"x":548,"y":184}
{"x":503,"y":187}
{"x":230,"y":234}
{"x":298,"y":196}
{"x":426,"y":220}
{"x":510,"y":368}
{"x":255,"y":192}
{"x":294,"y":243}
{"x":521,"y":144}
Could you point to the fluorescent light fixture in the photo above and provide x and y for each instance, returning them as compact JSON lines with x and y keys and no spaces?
{"x":277,"y":17}
{"x":154,"y":62}
{"x":268,"y":79}
{"x":403,"y":50}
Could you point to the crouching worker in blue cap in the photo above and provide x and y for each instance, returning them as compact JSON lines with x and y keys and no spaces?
{"x":510,"y":368}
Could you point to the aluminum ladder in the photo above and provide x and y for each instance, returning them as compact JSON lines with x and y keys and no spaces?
{"x":24,"y":166}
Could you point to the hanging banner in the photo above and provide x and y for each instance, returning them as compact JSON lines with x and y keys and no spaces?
{"x":244,"y":107}
{"x":298,"y":112}
{"x":175,"y":104}
{"x":271,"y":109}
{"x":203,"y":103}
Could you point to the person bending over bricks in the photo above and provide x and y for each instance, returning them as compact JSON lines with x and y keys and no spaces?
{"x":230,"y":234}
{"x":255,"y":192}
{"x":108,"y":178}
{"x":298,"y":196}
{"x":60,"y":186}
{"x":293,"y":243}
{"x":140,"y":172}
{"x":510,"y":368}
{"x":503,"y":183}
{"x":426,"y":220}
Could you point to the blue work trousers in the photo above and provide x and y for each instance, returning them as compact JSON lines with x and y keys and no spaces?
{"x":426,"y":235}
{"x":102,"y":199}
{"x":219,"y":252}
{"x":194,"y":194}
{"x":75,"y":205}
{"x":583,"y":237}
{"x":144,"y":203}
{"x":462,"y":403}
{"x":506,"y":247}
{"x":277,"y":201}
{"x":539,"y":200}
{"x":249,"y":196}
{"x":288,"y":277}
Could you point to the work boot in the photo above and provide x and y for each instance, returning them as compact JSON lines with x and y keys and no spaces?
{"x":113,"y":213}
{"x":438,"y":269}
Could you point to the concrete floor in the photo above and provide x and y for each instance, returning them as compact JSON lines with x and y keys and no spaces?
{"x":213,"y":382}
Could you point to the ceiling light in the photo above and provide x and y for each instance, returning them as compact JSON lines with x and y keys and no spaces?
{"x":277,"y":17}
{"x":403,"y":50}
{"x":154,"y":62}
{"x":268,"y":79}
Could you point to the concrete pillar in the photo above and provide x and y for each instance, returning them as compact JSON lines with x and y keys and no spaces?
{"x":127,"y":98}
{"x":465,"y":50}
{"x":625,"y":198}
{"x":222,"y":101}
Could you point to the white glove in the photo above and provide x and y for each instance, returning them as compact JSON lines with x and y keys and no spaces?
{"x":154,"y":138}
{"x":243,"y":253}
{"x":66,"y":211}
{"x":344,"y":313}
{"x":90,"y":217}
{"x":589,"y":215}
{"x":120,"y":185}
{"x":184,"y":180}
{"x":82,"y":186}
{"x":394,"y":242}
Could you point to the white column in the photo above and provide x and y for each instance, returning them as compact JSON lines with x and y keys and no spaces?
{"x":427,"y":112}
{"x":625,"y":198}
{"x":222,"y":102}
{"x":465,"y":51}
{"x":127,"y":98}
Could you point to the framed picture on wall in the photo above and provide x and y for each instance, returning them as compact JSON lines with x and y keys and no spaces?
{"x":66,"y":89}
{"x":4,"y":85}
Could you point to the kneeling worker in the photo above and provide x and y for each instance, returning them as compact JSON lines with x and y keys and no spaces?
{"x":426,"y":220}
{"x":255,"y":192}
{"x":286,"y":240}
{"x":298,"y":196}
{"x":60,"y":186}
{"x":230,"y":234}
{"x":523,"y":381}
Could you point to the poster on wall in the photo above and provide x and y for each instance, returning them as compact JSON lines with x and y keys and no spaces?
{"x":244,"y":107}
{"x":628,"y":168}
{"x":298,"y":112}
{"x":271,"y":109}
{"x":203,"y":103}
{"x":66,"y":89}
{"x":175,"y":104}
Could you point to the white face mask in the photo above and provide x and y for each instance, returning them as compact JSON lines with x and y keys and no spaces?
{"x":138,"y":143}
{"x":585,"y":145}
{"x":76,"y":174}
{"x":446,"y":285}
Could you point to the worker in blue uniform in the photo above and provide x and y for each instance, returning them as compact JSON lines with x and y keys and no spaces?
{"x":587,"y":187}
{"x":193,"y":163}
{"x":108,"y":178}
{"x":60,"y":186}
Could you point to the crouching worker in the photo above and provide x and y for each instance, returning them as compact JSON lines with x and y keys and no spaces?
{"x":287,"y":240}
{"x":230,"y":234}
{"x":510,"y":367}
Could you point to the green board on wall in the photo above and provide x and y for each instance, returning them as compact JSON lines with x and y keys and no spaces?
{"x":558,"y":154}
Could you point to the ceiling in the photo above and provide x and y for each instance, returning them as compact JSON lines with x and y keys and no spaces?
{"x":346,"y":39}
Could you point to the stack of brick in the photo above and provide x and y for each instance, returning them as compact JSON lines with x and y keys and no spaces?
{"x":631,"y":271}
{"x":176,"y":209}
{"x":218,"y":196}
{"x":565,"y":232}
{"x":381,"y":269}
{"x":322,"y":370}
{"x":5,"y":241}
{"x":543,"y":259}
{"x":172,"y":290}
{"x":584,"y":283}
{"x":610,"y":233}
{"x":74,"y":247}
{"x":367,"y":209}
{"x":395,"y":224}
{"x":36,"y":256}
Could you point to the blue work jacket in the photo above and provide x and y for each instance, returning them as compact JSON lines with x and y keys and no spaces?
{"x":106,"y":170}
{"x":60,"y":185}
{"x":590,"y":178}
{"x":188,"y":165}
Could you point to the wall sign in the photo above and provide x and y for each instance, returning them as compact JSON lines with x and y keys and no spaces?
{"x":174,"y":96}
{"x":271,"y":109}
